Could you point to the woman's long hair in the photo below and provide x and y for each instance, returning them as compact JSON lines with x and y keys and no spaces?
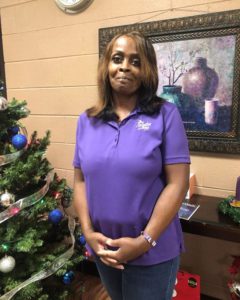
{"x":148,"y":102}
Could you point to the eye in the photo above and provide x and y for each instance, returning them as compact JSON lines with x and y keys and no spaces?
{"x":117,"y":59}
{"x":136,"y":62}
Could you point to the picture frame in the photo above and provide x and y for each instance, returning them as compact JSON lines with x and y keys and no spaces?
{"x":203,"y":53}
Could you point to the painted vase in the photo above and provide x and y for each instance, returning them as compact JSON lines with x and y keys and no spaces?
{"x":200,"y":82}
{"x":172,"y":93}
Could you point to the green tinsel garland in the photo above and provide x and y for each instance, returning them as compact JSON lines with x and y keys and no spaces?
{"x":226,"y":209}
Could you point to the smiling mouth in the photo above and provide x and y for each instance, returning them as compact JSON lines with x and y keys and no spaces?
{"x":124,"y":78}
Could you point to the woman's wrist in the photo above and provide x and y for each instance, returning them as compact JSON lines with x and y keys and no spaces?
{"x":148,"y":238}
{"x":87,"y":231}
{"x":143,"y":243}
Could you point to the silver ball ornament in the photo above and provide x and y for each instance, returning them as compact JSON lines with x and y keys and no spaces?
{"x":6,"y":199}
{"x":3,"y":103}
{"x":7,"y":264}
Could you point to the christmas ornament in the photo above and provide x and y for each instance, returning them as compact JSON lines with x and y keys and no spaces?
{"x":87,"y":254}
{"x":6,"y":199}
{"x":66,"y":202}
{"x":68,"y":277}
{"x":13,"y":130}
{"x":66,"y":199}
{"x":56,"y":195}
{"x":55,"y":216}
{"x":19,"y":141}
{"x":81,"y":240}
{"x":3,"y":103}
{"x":7,"y":264}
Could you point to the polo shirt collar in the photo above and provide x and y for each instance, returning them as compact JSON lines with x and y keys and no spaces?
{"x":136,"y":111}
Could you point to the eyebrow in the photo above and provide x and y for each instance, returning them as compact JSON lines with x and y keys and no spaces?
{"x":121,"y":52}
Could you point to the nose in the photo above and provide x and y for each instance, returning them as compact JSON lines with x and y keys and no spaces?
{"x":124,"y":66}
{"x":124,"y":69}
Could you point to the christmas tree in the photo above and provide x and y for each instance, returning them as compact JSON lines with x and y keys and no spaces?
{"x":38,"y":252}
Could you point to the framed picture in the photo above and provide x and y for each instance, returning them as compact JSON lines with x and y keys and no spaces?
{"x":199,"y":71}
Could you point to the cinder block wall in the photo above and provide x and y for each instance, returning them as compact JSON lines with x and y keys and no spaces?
{"x":51,"y":59}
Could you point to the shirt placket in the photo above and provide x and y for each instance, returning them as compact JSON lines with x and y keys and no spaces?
{"x":118,"y":127}
{"x":116,"y":140}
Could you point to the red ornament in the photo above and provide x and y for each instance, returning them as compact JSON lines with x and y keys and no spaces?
{"x":56,"y":195}
{"x":87,"y":254}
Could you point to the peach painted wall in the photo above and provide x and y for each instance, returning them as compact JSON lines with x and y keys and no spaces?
{"x":50,"y":60}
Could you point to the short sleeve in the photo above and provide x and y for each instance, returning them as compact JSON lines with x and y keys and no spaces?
{"x":76,"y":159}
{"x":175,"y":144}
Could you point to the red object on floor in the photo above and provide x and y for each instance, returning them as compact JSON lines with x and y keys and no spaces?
{"x":187,"y":287}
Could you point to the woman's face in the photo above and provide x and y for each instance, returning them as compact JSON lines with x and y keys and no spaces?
{"x":124,"y":68}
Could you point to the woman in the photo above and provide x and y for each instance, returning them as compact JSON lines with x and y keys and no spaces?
{"x":131,"y":175}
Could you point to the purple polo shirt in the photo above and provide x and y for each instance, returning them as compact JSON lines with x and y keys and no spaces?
{"x":122,"y":166}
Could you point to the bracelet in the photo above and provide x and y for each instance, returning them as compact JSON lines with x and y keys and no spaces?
{"x":148,"y":239}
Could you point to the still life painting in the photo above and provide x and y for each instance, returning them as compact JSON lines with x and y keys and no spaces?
{"x":197,"y":76}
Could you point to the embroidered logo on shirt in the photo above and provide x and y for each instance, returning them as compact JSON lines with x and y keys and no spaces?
{"x":141,"y":125}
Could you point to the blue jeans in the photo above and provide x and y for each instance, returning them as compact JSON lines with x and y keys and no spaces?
{"x":154,"y":282}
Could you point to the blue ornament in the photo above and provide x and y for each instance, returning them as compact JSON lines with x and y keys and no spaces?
{"x":19,"y":141}
{"x":68,"y":277}
{"x":55,"y":216}
{"x":13,"y":130}
{"x":81,"y":240}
